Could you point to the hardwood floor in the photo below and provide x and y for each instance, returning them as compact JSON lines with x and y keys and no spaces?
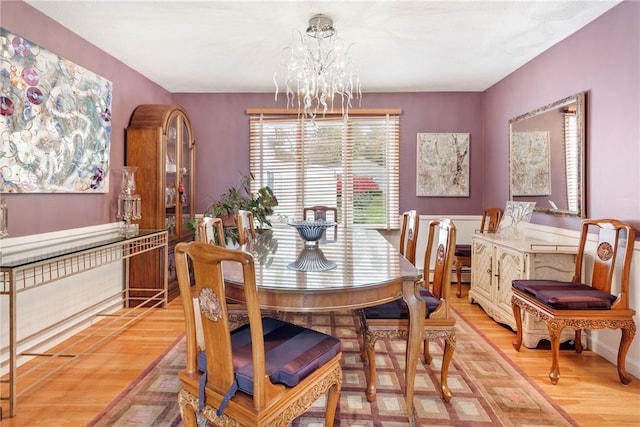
{"x":589,"y":389}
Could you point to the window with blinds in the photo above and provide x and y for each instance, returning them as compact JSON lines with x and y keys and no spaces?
{"x":350,"y":163}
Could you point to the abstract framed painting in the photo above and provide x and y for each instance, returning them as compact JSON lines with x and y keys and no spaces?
{"x":55,"y":122}
{"x":442,"y":168}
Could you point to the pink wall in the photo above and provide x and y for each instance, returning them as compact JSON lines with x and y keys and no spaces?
{"x":602,"y":59}
{"x":39,"y":213}
{"x":221,"y":129}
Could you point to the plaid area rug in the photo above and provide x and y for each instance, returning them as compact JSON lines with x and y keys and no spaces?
{"x":488,"y":390}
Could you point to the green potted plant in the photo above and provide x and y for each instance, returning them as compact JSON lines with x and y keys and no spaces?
{"x":240,"y":197}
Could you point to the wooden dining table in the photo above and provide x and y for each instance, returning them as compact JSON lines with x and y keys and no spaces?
{"x":351,"y":268}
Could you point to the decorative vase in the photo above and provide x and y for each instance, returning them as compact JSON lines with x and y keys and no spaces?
{"x":129,"y":203}
{"x":514,"y":218}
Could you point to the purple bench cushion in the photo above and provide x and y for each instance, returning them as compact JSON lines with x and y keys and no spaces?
{"x":398,"y":309}
{"x":566,"y":295}
{"x":463,"y":250}
{"x":291,"y":353}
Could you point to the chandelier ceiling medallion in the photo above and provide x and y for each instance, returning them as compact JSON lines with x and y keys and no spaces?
{"x":317,"y":69}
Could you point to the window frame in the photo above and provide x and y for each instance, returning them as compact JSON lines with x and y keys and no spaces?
{"x":388,"y":216}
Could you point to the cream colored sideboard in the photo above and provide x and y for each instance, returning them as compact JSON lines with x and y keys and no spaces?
{"x":496,"y":261}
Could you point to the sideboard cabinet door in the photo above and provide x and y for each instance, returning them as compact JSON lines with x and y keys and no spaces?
{"x":482,"y":271}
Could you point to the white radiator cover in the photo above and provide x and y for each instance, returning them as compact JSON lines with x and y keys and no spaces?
{"x":40,"y":307}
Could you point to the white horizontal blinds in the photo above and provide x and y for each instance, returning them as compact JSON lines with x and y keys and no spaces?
{"x":323,"y":159}
{"x":348,"y":163}
{"x":373,"y":170}
{"x":572,"y":156}
{"x":392,"y":187}
{"x":275,"y":145}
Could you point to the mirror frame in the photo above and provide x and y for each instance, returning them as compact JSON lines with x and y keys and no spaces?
{"x":579,"y":100}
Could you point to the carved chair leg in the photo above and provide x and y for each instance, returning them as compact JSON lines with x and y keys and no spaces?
{"x":449,"y":348}
{"x":364,"y":331}
{"x":363,"y":356}
{"x":628,"y":332}
{"x":518,"y":317}
{"x":555,"y":330}
{"x":578,"y":341}
{"x":369,"y":353}
{"x":188,"y":413}
{"x":333,"y":397}
{"x":427,"y":355}
{"x":459,"y":277}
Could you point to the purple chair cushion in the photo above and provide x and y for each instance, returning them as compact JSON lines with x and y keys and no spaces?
{"x":533,"y":287}
{"x":463,"y":250}
{"x":398,"y":309}
{"x":566,"y":295}
{"x":291,"y":353}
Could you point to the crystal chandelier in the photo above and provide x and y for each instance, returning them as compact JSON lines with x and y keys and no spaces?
{"x":318,"y":69}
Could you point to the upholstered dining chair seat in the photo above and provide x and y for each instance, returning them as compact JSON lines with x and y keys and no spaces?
{"x":566,"y":295}
{"x":291,"y":354}
{"x":398,"y":309}
{"x":463,"y":250}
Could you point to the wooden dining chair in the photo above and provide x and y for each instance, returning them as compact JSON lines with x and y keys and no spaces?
{"x":323,"y":213}
{"x":581,"y":305}
{"x":491,"y":219}
{"x":246,"y":226}
{"x":210,"y":230}
{"x":319,"y":212}
{"x":267,"y":372}
{"x":390,"y":320}
{"x":409,"y":235}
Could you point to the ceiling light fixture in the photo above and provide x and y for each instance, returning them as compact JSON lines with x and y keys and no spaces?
{"x":317,"y":68}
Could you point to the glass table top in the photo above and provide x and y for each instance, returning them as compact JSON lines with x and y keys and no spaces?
{"x":356,"y":257}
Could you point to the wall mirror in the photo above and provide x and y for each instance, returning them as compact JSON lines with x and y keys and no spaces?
{"x":547,"y":157}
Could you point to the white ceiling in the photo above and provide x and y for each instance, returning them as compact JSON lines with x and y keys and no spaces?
{"x":236,"y":46}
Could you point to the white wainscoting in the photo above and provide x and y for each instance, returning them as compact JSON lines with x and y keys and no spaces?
{"x":39,"y":308}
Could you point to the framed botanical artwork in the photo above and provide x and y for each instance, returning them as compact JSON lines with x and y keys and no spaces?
{"x":442,"y":168}
{"x":530,"y":165}
{"x":55,"y":122}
